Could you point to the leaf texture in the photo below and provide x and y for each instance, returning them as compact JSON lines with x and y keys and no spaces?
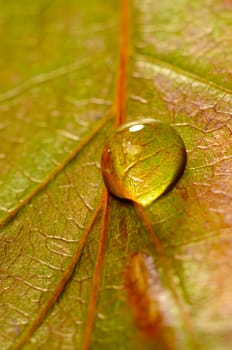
{"x":79,"y":268}
{"x":63,"y":79}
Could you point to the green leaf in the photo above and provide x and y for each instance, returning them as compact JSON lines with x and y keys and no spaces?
{"x":79,"y":268}
{"x":62,"y":77}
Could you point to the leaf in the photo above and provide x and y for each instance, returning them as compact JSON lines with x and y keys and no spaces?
{"x":79,"y":268}
{"x":54,"y":98}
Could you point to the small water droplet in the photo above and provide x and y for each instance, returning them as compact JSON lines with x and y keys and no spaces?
{"x":142,"y":160}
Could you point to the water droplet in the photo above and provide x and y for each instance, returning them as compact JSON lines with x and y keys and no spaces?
{"x":142,"y":160}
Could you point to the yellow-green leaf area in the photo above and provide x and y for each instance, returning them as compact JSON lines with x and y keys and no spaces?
{"x":187,"y":35}
{"x":80,"y":268}
{"x":57,"y":82}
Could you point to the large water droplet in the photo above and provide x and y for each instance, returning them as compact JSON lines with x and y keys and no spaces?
{"x":142,"y":160}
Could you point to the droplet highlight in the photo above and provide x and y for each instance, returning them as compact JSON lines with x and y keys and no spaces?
{"x":143,"y":160}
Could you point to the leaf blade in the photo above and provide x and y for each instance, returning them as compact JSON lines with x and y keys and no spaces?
{"x":48,"y":114}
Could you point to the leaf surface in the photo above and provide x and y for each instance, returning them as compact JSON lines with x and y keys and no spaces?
{"x":79,"y":268}
{"x":63,"y":79}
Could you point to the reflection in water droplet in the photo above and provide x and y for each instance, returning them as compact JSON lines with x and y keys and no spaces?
{"x":142,"y":160}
